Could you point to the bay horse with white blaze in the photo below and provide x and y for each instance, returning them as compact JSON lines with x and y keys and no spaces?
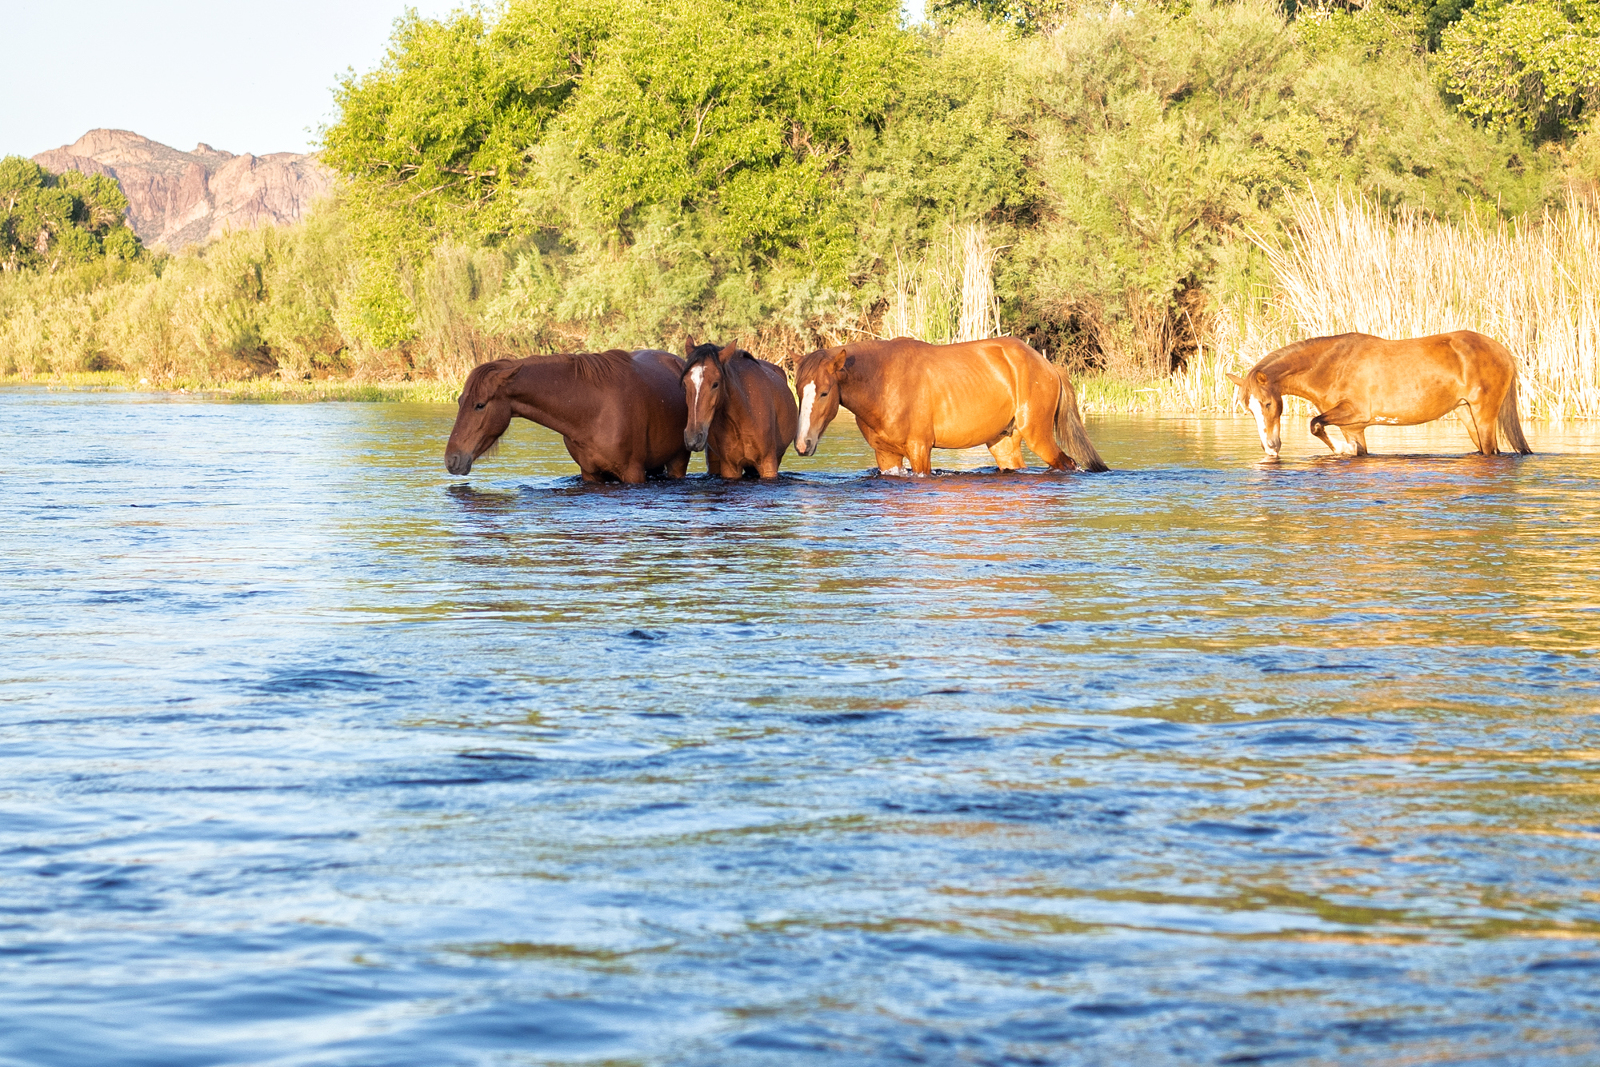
{"x":620,"y":414}
{"x":910,"y":397}
{"x":1356,"y":380}
{"x":741,"y":411}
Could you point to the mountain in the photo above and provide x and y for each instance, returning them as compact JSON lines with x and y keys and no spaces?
{"x":178,"y":198}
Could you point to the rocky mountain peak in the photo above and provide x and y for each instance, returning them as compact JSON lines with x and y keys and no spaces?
{"x":179,"y":198}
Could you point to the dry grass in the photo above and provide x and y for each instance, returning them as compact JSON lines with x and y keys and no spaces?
{"x":947,"y":295}
{"x":1533,"y":284}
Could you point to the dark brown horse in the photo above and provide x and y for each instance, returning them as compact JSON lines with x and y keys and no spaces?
{"x":621,"y":414}
{"x":1356,"y":380}
{"x":910,"y":397}
{"x":741,"y":411}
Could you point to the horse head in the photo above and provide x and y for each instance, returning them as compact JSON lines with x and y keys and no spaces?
{"x":702,"y":389}
{"x":483,"y":412}
{"x":1261,"y":396}
{"x":817,"y":379}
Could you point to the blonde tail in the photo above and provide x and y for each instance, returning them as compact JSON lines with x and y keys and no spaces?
{"x":1070,"y":432}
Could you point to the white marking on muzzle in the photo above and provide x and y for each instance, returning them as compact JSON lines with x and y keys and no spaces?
{"x":1261,"y":426}
{"x":808,"y":397}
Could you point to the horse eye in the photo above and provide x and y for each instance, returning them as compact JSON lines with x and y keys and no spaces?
{"x":478,"y":408}
{"x":822,"y":394}
{"x":716,"y":385}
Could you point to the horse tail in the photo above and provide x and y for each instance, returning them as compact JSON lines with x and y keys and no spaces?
{"x":1510,"y":422}
{"x":1070,"y":432}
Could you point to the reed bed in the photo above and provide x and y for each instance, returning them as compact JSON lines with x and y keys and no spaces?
{"x":947,"y":295}
{"x":1532,"y":283}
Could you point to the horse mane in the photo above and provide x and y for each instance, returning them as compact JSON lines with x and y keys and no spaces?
{"x":708,"y":351}
{"x":598,"y":368}
{"x":804,"y":364}
{"x":1293,"y":357}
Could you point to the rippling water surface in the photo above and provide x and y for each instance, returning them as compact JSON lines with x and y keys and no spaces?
{"x":311,"y":754}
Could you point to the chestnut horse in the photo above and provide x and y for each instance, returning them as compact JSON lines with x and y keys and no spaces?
{"x":910,"y":397}
{"x":621,"y":414}
{"x":1356,"y":380}
{"x":741,"y":411}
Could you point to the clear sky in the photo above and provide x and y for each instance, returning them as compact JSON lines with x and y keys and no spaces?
{"x":243,"y":77}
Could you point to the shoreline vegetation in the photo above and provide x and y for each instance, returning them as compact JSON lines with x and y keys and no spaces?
{"x":1152,"y":194}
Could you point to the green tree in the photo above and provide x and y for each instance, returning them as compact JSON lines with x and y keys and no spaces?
{"x":587,"y":118}
{"x":49,"y":220}
{"x":1532,"y":65}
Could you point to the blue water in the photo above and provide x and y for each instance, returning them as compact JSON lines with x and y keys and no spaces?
{"x":312,"y":754}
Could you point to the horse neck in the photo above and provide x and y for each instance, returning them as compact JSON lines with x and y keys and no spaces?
{"x":735,"y":403}
{"x":551,"y":394}
{"x":1294,"y":370}
{"x":858,"y":388}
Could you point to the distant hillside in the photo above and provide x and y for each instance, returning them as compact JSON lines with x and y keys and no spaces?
{"x":179,"y":198}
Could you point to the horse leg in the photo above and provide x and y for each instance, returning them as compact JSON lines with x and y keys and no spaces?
{"x":1041,"y":437}
{"x":1483,"y":425}
{"x":920,"y":455}
{"x":1007,"y":452}
{"x":1341,"y":413}
{"x":1357,"y":436}
{"x":678,"y":465}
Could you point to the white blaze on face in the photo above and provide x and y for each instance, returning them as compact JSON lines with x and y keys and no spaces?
{"x":808,"y":397}
{"x":697,"y":379}
{"x":1261,"y":426}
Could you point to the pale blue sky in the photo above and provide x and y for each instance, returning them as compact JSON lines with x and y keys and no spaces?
{"x":244,"y":77}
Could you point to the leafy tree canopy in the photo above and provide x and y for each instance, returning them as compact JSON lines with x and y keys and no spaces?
{"x":47,"y":220}
{"x":603,"y":108}
{"x":1527,"y":64}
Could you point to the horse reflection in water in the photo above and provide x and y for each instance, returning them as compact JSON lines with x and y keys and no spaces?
{"x":910,"y":397}
{"x":620,"y":414}
{"x":1356,"y":380}
{"x":741,"y":412}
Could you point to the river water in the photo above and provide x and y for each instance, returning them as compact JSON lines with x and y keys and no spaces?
{"x":312,"y":754}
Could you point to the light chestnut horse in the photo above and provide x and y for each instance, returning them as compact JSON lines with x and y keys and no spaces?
{"x":910,"y":397}
{"x":1356,"y":380}
{"x":741,"y":412}
{"x":620,"y":414}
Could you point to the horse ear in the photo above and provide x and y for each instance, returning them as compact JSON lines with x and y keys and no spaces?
{"x":1261,"y":376}
{"x":1236,"y":380}
{"x":841,"y":359}
{"x":728,"y":353}
{"x":688,"y":346}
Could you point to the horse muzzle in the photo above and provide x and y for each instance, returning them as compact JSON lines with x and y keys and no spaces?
{"x":804,"y":446}
{"x":695,"y":442}
{"x":458,"y":462}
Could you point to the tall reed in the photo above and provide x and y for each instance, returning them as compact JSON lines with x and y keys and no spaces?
{"x":947,"y":295}
{"x":1533,"y":284}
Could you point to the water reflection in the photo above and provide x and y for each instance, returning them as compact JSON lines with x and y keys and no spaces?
{"x":346,"y":761}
